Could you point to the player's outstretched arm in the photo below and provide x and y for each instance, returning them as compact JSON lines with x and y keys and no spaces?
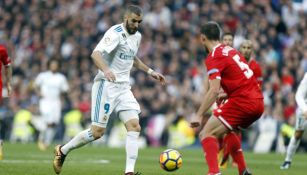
{"x":8,"y":76}
{"x":98,"y":60}
{"x":140,"y":65}
{"x":209,"y":98}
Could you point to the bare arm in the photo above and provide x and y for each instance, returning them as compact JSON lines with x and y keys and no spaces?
{"x":8,"y":75}
{"x":209,"y":98}
{"x":140,"y":65}
{"x":206,"y":83}
{"x":99,"y":62}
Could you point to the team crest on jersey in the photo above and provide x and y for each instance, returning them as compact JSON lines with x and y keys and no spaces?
{"x":107,"y":41}
{"x":105,"y":118}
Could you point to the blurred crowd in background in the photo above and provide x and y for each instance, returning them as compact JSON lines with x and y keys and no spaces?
{"x":35,"y":31}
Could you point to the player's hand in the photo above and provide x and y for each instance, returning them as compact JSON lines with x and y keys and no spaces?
{"x":158,"y":77}
{"x":110,"y":76}
{"x":305,"y":115}
{"x":9,"y":89}
{"x":222,"y":96}
{"x":195,"y":121}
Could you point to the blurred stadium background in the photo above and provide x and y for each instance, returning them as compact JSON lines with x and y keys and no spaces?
{"x":36,"y":30}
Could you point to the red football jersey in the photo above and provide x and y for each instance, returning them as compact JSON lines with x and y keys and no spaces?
{"x":255,"y":67}
{"x":228,"y":65}
{"x":5,"y":60}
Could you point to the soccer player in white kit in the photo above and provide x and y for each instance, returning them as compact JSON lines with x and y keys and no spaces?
{"x":49,"y":86}
{"x":114,"y":56}
{"x":300,"y":124}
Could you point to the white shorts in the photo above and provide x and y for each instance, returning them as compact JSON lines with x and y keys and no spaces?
{"x":108,"y":97}
{"x":300,"y":122}
{"x":50,"y":110}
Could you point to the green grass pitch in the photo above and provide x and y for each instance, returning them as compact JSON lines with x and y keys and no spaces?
{"x":26,"y":159}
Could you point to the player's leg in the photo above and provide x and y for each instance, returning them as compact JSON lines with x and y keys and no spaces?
{"x":208,"y":135}
{"x":232,"y":116}
{"x":49,"y":135}
{"x":54,"y":117}
{"x":226,"y":152}
{"x":295,"y":140}
{"x":81,"y":139}
{"x":129,"y":109}
{"x":131,"y":120}
{"x":99,"y":117}
{"x":292,"y":147}
{"x":236,"y":152}
{"x":84,"y":137}
{"x":43,"y":108}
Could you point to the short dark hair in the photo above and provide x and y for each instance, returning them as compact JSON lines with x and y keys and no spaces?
{"x":228,"y":33}
{"x":211,"y":30}
{"x":53,"y":60}
{"x":134,"y":9}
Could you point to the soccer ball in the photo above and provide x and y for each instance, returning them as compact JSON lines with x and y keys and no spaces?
{"x":170,"y":160}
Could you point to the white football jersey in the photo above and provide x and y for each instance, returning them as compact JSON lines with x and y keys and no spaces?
{"x":51,"y":85}
{"x":301,"y":94}
{"x":119,"y":48}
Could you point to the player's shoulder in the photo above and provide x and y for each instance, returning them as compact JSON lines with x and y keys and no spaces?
{"x":254,"y":63}
{"x":60,"y":75}
{"x":138,"y":34}
{"x":44,"y":75}
{"x":118,"y":28}
{"x":305,"y":76}
{"x":220,"y":50}
{"x":114,"y":30}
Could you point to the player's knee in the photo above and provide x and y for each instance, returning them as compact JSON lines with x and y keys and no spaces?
{"x":133,"y":126}
{"x":203,"y":134}
{"x":97,"y":132}
{"x":298,"y":134}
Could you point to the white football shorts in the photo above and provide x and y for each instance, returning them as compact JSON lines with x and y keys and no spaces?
{"x":300,"y":122}
{"x":50,"y":110}
{"x":108,"y":97}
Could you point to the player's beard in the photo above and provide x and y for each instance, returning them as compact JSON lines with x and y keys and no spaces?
{"x":129,"y":29}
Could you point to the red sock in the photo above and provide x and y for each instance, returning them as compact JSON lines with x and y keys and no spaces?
{"x":234,"y":147}
{"x":211,"y":148}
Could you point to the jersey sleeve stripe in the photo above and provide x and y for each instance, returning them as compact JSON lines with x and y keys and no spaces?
{"x":212,"y":71}
{"x":118,"y":29}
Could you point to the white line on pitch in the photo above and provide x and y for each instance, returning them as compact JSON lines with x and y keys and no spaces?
{"x":49,"y":161}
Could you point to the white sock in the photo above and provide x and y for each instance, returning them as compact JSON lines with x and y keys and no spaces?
{"x":42,"y":136}
{"x":294,"y":143}
{"x":50,"y":132}
{"x":131,"y":150}
{"x":79,"y":140}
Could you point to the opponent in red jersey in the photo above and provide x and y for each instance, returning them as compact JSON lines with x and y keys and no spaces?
{"x":229,"y":70}
{"x":246,"y":49}
{"x":5,"y":60}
